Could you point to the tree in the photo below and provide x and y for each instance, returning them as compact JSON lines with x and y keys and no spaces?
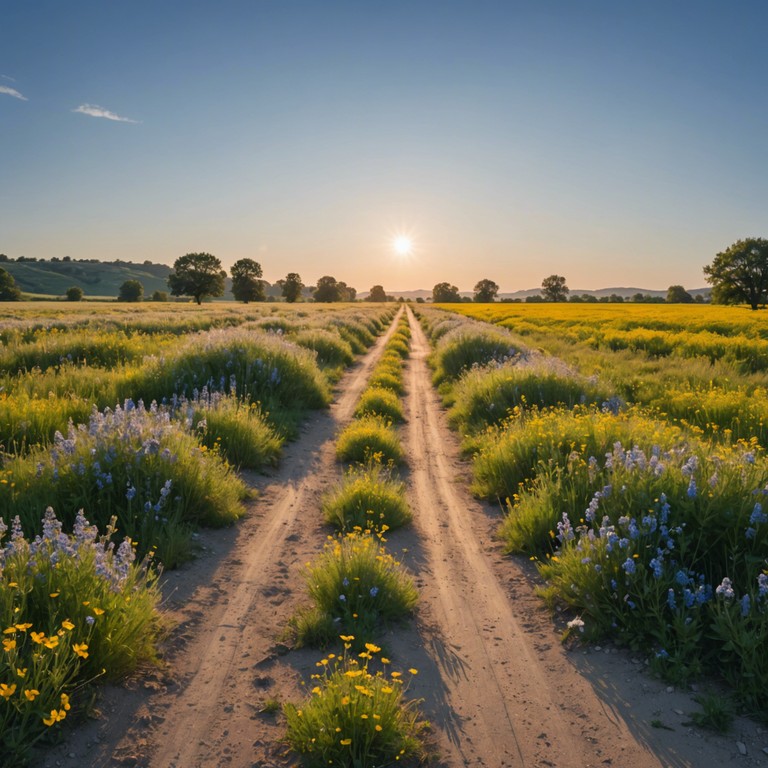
{"x":553,"y":288}
{"x":740,"y":273}
{"x":445,"y":293}
{"x":292,"y":287}
{"x":678,"y":295}
{"x":346,"y":292}
{"x":160,"y":296}
{"x":246,"y":283}
{"x":75,"y":293}
{"x":9,"y":291}
{"x":131,"y":290}
{"x":327,"y":289}
{"x":198,"y":275}
{"x":377,"y":293}
{"x":486,"y":291}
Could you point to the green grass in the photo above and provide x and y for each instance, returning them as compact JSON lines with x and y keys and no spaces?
{"x":377,"y":401}
{"x":367,"y":439}
{"x":367,"y":499}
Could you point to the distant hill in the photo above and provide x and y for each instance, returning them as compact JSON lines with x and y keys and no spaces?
{"x":96,"y":278}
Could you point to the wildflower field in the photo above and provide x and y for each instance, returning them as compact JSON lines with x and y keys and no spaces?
{"x":122,"y":432}
{"x":627,"y":447}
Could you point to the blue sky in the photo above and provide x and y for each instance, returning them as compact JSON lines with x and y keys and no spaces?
{"x":615,"y":143}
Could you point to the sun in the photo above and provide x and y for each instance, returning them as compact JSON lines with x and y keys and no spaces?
{"x":403,"y":245}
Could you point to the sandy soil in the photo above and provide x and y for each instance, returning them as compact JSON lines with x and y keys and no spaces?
{"x":497,"y":684}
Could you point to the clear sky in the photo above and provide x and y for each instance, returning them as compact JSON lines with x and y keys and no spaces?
{"x":616,"y":143}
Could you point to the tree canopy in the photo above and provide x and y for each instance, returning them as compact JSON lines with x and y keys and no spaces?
{"x":445,"y":293}
{"x":329,"y":289}
{"x":740,"y":273}
{"x":247,"y":284}
{"x":131,"y":290}
{"x":198,"y":275}
{"x":678,"y":295}
{"x":553,"y":288}
{"x":9,"y":291}
{"x":291,"y":287}
{"x":486,"y":291}
{"x":75,"y":293}
{"x":377,"y":293}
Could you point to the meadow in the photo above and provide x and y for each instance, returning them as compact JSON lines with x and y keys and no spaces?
{"x":626,"y":445}
{"x":122,"y":432}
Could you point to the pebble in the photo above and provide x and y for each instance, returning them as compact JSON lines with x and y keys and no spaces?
{"x":742,"y":747}
{"x":670,"y":689}
{"x":765,"y":749}
{"x":678,"y":712}
{"x":598,"y":648}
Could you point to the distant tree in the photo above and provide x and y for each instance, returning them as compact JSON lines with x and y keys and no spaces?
{"x":486,"y":291}
{"x":292,"y":287}
{"x":246,"y":283}
{"x":536,"y":298}
{"x":553,"y":288}
{"x":419,"y":300}
{"x":740,"y":273}
{"x":676,"y":294}
{"x":346,"y":292}
{"x":9,"y":291}
{"x":445,"y":293}
{"x":198,"y":275}
{"x":131,"y":290}
{"x":699,"y":298}
{"x":160,"y":296}
{"x":4,"y":257}
{"x":377,"y":293}
{"x":327,"y":289}
{"x":75,"y":293}
{"x":638,"y":298}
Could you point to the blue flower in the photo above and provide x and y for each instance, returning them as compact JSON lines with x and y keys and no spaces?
{"x":374,"y":591}
{"x":745,"y":606}
{"x":671,"y":602}
{"x":343,"y":598}
{"x":726,"y":589}
{"x":629,"y":565}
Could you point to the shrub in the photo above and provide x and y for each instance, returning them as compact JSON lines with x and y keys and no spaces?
{"x":354,"y":717}
{"x":462,"y":348}
{"x":376,"y":401}
{"x":355,"y":586}
{"x":71,"y":608}
{"x":367,"y":438}
{"x":367,"y":499}
{"x":330,"y":348}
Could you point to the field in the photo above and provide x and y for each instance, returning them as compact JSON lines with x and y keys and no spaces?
{"x":258,"y":517}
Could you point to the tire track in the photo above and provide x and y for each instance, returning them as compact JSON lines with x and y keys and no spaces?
{"x":512,"y":700}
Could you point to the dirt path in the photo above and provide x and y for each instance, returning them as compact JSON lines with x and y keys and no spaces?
{"x":498,"y":687}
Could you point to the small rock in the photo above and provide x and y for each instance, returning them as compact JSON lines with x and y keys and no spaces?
{"x":71,"y":755}
{"x":598,"y":648}
{"x":678,"y":712}
{"x":742,"y":747}
{"x":765,"y":749}
{"x":670,"y":689}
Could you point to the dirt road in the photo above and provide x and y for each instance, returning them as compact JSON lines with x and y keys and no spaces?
{"x":497,"y":685}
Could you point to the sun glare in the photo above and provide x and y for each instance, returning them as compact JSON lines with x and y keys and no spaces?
{"x":403,"y":245}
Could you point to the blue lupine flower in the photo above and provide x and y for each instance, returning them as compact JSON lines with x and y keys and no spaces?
{"x":758,"y":516}
{"x":657,"y":567}
{"x":629,"y":566}
{"x":671,"y":602}
{"x":692,"y":490}
{"x":662,"y":654}
{"x":374,"y":591}
{"x":745,"y":606}
{"x":343,"y":598}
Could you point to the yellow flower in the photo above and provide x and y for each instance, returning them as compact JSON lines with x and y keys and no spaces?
{"x":413,"y":671}
{"x":345,"y":742}
{"x":372,"y":648}
{"x":10,"y":631}
{"x":31,"y":694}
{"x":387,"y":689}
{"x":316,"y":689}
{"x":65,"y":702}
{"x":98,"y":611}
{"x":347,"y":639}
{"x":345,"y":700}
{"x":54,"y":594}
{"x":56,"y":716}
{"x":8,"y":645}
{"x":38,"y":637}
{"x":81,"y":650}
{"x":6,"y":691}
{"x":353,"y":672}
{"x":396,"y":674}
{"x":67,"y":624}
{"x":378,"y":727}
{"x":384,"y":660}
{"x":51,"y":642}
{"x":23,"y":627}
{"x":21,"y":672}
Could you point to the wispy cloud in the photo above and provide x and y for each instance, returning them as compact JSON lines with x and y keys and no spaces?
{"x":95,"y":111}
{"x":9,"y":79}
{"x":8,"y":91}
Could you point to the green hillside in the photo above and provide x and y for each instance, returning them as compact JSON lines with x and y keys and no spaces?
{"x":96,"y":278}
